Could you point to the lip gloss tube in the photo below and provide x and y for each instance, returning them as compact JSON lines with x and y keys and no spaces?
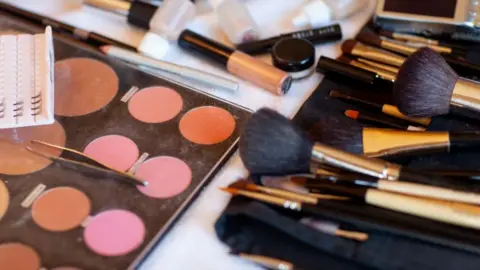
{"x":237,"y":62}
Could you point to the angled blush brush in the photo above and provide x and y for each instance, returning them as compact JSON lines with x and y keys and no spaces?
{"x":380,"y":142}
{"x":357,"y":49}
{"x":427,"y":86}
{"x":271,"y":145}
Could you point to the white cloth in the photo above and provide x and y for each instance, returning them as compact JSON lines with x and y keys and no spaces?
{"x":192,"y":243}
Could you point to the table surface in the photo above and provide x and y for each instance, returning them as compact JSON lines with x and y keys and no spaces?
{"x":192,"y":243}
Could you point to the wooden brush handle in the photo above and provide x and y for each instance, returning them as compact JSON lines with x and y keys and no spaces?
{"x":429,"y":191}
{"x":357,"y":236}
{"x":430,"y":209}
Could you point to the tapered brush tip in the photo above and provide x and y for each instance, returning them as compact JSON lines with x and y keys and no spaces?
{"x":230,"y":190}
{"x":345,"y":59}
{"x":336,"y":94}
{"x":272,"y":145}
{"x":424,"y":85}
{"x":348,"y":46}
{"x":240,"y":184}
{"x":352,"y":114}
{"x":370,"y":38}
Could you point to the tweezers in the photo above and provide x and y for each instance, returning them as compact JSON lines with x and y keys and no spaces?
{"x":84,"y":164}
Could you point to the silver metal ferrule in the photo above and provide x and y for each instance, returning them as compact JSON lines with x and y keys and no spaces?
{"x":466,"y":95}
{"x":355,"y":163}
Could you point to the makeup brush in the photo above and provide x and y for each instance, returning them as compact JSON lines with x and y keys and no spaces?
{"x":386,"y":75}
{"x":266,"y":262}
{"x":379,"y":122}
{"x":451,"y":213}
{"x":423,"y":40}
{"x":389,"y":68}
{"x":463,"y":67}
{"x":384,"y":108}
{"x":332,"y":228}
{"x":427,"y":86}
{"x":304,"y":198}
{"x":271,"y":145}
{"x":340,"y":70}
{"x":379,"y":142}
{"x":355,"y":48}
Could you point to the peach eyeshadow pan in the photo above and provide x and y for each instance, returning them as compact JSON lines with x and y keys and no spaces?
{"x":155,"y":104}
{"x":15,"y":159}
{"x":83,"y":86}
{"x":207,"y":125}
{"x":115,"y":151}
{"x":4,"y":199}
{"x":61,"y":209}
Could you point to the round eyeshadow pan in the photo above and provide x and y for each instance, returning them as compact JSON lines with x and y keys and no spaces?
{"x":166,"y":176}
{"x":83,"y":86}
{"x":116,"y":151}
{"x":15,"y":159}
{"x":114,"y":232}
{"x":155,"y":104}
{"x":4,"y":199}
{"x":61,"y":209}
{"x":19,"y":257}
{"x":207,"y":125}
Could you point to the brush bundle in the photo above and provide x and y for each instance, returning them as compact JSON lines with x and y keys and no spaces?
{"x":351,"y":118}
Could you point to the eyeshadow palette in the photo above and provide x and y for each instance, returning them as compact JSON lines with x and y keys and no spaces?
{"x":169,"y":135}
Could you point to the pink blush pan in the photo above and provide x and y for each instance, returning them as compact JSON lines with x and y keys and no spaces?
{"x":116,"y":151}
{"x":114,"y":233}
{"x":166,"y":176}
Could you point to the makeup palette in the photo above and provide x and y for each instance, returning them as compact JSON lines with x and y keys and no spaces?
{"x":167,"y":134}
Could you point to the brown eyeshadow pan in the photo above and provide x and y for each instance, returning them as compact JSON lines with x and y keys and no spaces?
{"x":17,"y":256}
{"x":83,"y":86}
{"x":61,"y":209}
{"x":15,"y":159}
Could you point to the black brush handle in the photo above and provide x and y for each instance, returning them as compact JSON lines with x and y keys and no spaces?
{"x":411,"y":175}
{"x":462,"y":67}
{"x":466,"y":140}
{"x":333,"y":67}
{"x":357,"y":193}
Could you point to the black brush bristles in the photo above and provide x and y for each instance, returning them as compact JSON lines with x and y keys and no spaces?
{"x":424,"y":85}
{"x":339,"y":132}
{"x":272,"y":145}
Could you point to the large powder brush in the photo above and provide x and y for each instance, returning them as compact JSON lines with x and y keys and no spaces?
{"x":427,"y":86}
{"x":381,"y":142}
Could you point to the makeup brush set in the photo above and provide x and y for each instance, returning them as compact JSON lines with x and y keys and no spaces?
{"x":387,"y":146}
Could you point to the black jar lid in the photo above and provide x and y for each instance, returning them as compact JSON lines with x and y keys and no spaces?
{"x":293,"y":54}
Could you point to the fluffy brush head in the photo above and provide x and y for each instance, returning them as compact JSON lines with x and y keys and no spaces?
{"x":348,"y":46}
{"x":271,"y":145}
{"x":370,"y":38}
{"x":339,"y":132}
{"x":424,"y":85}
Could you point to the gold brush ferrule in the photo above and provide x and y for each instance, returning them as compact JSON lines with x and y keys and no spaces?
{"x":413,"y":38}
{"x":355,"y":163}
{"x":389,"y":68}
{"x":385,"y":142}
{"x":378,"y":55}
{"x":466,"y":95}
{"x":382,"y":73}
{"x":396,"y":47}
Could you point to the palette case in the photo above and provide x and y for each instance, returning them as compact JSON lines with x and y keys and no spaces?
{"x":68,"y":248}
